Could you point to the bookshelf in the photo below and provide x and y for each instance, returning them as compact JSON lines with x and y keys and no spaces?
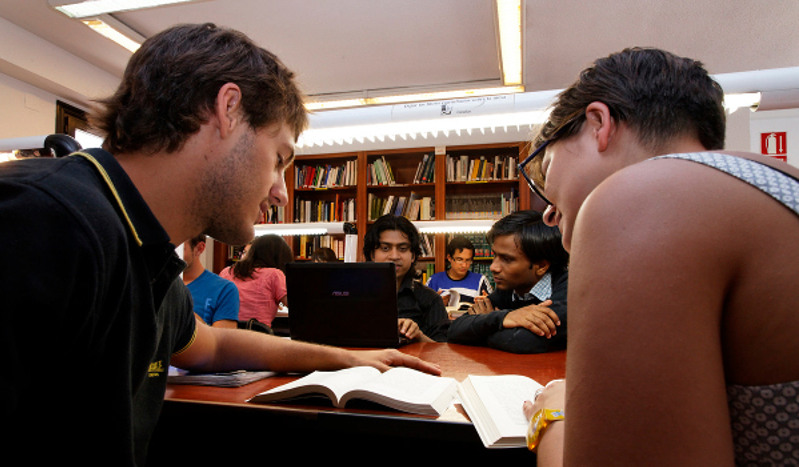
{"x":423,"y":183}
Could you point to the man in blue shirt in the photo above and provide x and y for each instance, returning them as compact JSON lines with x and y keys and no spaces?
{"x":216,"y":300}
{"x":468,"y":284}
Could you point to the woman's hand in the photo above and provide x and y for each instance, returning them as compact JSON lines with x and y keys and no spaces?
{"x":551,"y":396}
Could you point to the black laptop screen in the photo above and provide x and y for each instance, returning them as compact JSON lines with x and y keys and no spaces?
{"x":343,"y":304}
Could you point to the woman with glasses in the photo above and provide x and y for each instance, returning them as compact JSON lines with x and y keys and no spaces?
{"x":683,"y":304}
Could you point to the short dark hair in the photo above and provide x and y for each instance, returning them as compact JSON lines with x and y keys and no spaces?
{"x":371,"y":240}
{"x":171,"y":83}
{"x":537,"y":240}
{"x":324,"y":255}
{"x":459,"y":242}
{"x":266,"y":251}
{"x":656,"y":93}
{"x":194,"y":241}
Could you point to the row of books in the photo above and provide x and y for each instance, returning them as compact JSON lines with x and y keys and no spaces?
{"x":482,"y":249}
{"x":310,"y":243}
{"x":480,"y":168}
{"x":426,"y":170}
{"x":324,"y":211}
{"x":327,"y":176}
{"x":427,"y":271}
{"x":414,"y":207}
{"x":379,"y":172}
{"x":428,"y":242}
{"x":486,"y":206}
{"x":483,"y":268}
{"x":276,"y":215}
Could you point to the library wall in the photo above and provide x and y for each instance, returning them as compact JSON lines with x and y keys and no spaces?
{"x":425,"y":183}
{"x":27,"y":110}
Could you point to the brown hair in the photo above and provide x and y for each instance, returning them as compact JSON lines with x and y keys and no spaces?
{"x":656,"y":93}
{"x":171,"y":83}
{"x":266,"y":251}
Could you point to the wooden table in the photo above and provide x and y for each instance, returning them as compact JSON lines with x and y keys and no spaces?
{"x":210,"y":421}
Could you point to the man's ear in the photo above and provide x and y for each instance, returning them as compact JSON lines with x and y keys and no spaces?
{"x":228,"y":108}
{"x":597,"y":116}
{"x":200,"y":248}
{"x":541,"y":267}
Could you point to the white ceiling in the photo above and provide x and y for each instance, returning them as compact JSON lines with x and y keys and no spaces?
{"x":356,"y":46}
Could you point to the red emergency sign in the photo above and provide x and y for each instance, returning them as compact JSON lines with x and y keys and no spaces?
{"x":774,"y":143}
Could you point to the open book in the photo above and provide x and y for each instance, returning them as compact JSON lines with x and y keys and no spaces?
{"x":399,"y":388}
{"x":454,"y":305}
{"x":494,"y":404}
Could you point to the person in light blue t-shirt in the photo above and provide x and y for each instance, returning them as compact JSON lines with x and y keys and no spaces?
{"x":468,"y":284}
{"x":216,"y":300}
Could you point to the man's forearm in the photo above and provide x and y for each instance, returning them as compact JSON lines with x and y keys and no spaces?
{"x":238,"y":349}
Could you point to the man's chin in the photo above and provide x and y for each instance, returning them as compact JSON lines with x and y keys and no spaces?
{"x":235,"y":237}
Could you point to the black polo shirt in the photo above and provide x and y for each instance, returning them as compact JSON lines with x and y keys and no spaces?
{"x":486,"y":329}
{"x":92,"y":309}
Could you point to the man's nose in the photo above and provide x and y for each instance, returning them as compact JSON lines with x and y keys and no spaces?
{"x":494,"y":267}
{"x":278,"y":195}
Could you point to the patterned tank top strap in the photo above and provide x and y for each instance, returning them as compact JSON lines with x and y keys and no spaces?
{"x":782,"y":187}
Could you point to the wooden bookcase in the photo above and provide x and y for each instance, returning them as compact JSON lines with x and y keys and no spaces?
{"x":353,"y":200}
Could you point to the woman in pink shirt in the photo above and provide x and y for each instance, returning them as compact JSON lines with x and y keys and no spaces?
{"x":260,"y":278}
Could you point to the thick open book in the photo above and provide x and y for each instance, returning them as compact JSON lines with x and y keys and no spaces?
{"x":494,"y":404}
{"x":454,"y":305}
{"x":399,"y":388}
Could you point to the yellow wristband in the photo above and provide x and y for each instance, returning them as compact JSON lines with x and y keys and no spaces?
{"x":538,"y":423}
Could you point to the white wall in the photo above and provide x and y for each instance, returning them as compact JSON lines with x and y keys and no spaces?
{"x":737,"y":136}
{"x":26,"y":110}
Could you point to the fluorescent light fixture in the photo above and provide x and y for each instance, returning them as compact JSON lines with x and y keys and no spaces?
{"x":90,"y":8}
{"x":439,"y":95}
{"x":87,"y":139}
{"x":455,"y":226}
{"x":103,"y":28}
{"x":336,"y":228}
{"x":308,"y":228}
{"x":735,"y":101}
{"x":338,"y":104}
{"x":7,"y":156}
{"x":416,"y":97}
{"x":413,"y":129}
{"x":509,"y":25}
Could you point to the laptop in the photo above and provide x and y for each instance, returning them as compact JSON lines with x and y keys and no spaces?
{"x":343,"y":304}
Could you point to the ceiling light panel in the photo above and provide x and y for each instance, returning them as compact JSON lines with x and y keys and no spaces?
{"x":509,"y":24}
{"x":89,"y":8}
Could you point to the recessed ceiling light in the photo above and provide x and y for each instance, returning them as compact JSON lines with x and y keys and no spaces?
{"x":509,"y":26}
{"x":88,"y":8}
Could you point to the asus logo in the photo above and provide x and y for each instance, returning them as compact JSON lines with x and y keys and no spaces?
{"x":341,"y":293}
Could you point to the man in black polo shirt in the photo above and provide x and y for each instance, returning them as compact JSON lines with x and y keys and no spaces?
{"x":526,"y":313}
{"x":198,"y":137}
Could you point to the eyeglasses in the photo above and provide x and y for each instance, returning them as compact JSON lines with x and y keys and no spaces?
{"x":522,"y":168}
{"x":463,"y":260}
